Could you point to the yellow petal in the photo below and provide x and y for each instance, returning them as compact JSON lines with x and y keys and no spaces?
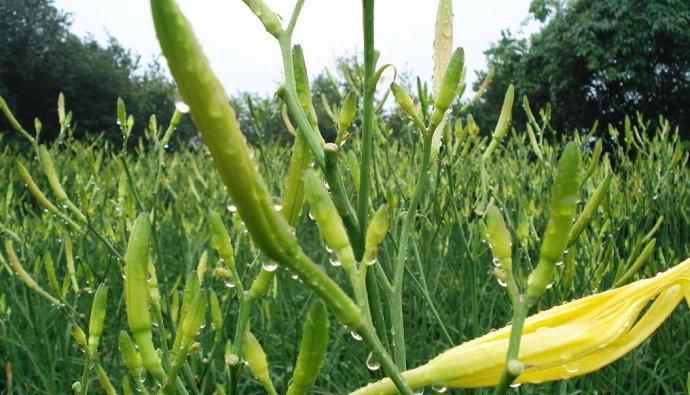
{"x":565,"y":341}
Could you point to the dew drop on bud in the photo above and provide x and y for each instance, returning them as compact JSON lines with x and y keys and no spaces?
{"x":231,"y":208}
{"x":372,"y":362}
{"x":439,"y":388}
{"x":335,"y":262}
{"x":269,"y":266}
{"x":356,"y":336}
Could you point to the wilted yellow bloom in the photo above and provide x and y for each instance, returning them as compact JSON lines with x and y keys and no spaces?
{"x":569,"y":340}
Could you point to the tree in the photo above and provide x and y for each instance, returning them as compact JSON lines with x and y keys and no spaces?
{"x":40,"y":57}
{"x":596,"y":59}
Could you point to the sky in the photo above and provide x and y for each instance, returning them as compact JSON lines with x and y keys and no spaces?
{"x":246,"y":58}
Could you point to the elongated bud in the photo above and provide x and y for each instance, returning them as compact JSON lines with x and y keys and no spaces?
{"x":24,"y":276}
{"x":326,"y":215}
{"x":256,"y":358}
{"x":193,"y":320}
{"x":302,"y":85}
{"x":201,"y":266}
{"x":503,"y":122}
{"x":260,"y":284}
{"x":51,"y":173}
{"x":5,"y":109}
{"x":137,"y":294}
{"x":347,"y":111}
{"x":79,"y":337}
{"x":590,"y":208}
{"x":564,"y":198}
{"x":121,"y":112}
{"x":216,"y":317}
{"x":98,"y":306}
{"x":443,"y":42}
{"x":499,"y":237}
{"x":449,"y":87}
{"x":189,"y":298}
{"x":268,"y":18}
{"x":312,"y":350}
{"x":130,"y":355}
{"x":375,"y":233}
{"x":50,"y":272}
{"x":635,"y":267}
{"x":406,"y":104}
{"x":220,"y":239}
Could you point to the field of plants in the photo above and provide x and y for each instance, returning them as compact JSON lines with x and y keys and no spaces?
{"x":147,"y":265}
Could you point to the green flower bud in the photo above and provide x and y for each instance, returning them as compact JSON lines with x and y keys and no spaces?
{"x":499,"y":237}
{"x":98,"y":306}
{"x":347,"y":111}
{"x":216,"y":317}
{"x":327,"y":218}
{"x":268,"y":18}
{"x":130,"y":355}
{"x":79,"y":337}
{"x":449,"y":87}
{"x":220,"y":239}
{"x":376,"y":232}
{"x":312,"y":350}
{"x":137,"y":294}
{"x":564,"y":198}
{"x":406,"y":103}
{"x":258,"y":365}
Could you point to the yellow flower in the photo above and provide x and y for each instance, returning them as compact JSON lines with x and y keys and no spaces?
{"x":569,"y":340}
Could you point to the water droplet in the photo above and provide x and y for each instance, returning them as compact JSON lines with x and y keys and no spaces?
{"x":231,"y":208}
{"x":496,"y":262}
{"x":334,"y":261}
{"x":356,"y":335}
{"x":329,"y":250}
{"x":373,"y":262}
{"x":549,"y":286}
{"x":419,"y":391}
{"x":655,"y":197}
{"x":295,"y":276}
{"x":439,"y":388}
{"x":572,"y":367}
{"x":181,"y":107}
{"x":311,"y":216}
{"x":559,"y":263}
{"x":372,"y":362}
{"x":269,"y":266}
{"x":501,"y":283}
{"x":515,"y":385}
{"x":230,"y":284}
{"x":277,"y":207}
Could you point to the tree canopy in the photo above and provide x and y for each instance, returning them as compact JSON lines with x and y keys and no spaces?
{"x":40,"y":57}
{"x":596,"y":59}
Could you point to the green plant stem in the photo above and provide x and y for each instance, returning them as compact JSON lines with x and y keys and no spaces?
{"x":519,"y":314}
{"x":389,"y":367}
{"x":85,"y":374}
{"x":242,"y":323}
{"x":399,"y":268}
{"x":367,"y":115}
{"x":314,"y":141}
